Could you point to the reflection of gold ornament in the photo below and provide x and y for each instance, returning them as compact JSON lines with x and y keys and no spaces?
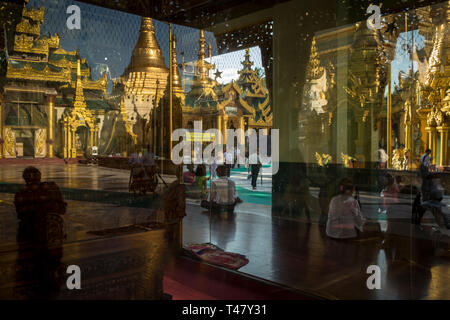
{"x":346,"y":159}
{"x":10,"y":142}
{"x":40,"y":143}
{"x":323,"y":160}
{"x":400,"y":159}
{"x":28,"y":73}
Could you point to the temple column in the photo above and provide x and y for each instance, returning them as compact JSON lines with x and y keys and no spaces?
{"x":219,"y":126}
{"x":443,"y":132}
{"x":65,"y":140}
{"x":224,"y":129}
{"x":51,"y":105}
{"x":73,"y":150}
{"x":242,"y":125}
{"x":431,"y":142}
{"x":91,"y":137}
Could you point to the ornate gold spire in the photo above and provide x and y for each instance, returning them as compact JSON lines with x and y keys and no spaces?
{"x":147,"y":54}
{"x":201,"y":44}
{"x":247,"y":75}
{"x":176,"y":81}
{"x":314,"y":70}
{"x":202,"y":67}
{"x":79,"y":95}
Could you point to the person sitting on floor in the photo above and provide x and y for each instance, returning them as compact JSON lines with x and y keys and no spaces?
{"x":223,"y":192}
{"x":344,"y":214}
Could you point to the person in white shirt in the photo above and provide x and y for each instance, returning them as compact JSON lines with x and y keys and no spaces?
{"x":344,"y":214}
{"x":229,"y":159}
{"x":223,"y":192}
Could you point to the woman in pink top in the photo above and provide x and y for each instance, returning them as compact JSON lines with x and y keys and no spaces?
{"x":344,"y":214}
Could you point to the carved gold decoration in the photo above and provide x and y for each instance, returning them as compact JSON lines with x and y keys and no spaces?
{"x":324,"y":159}
{"x":64,"y":52}
{"x":35,"y":15}
{"x":400,"y":159}
{"x":100,"y":84}
{"x":53,"y":41}
{"x":25,"y":27}
{"x":10,"y":143}
{"x":28,"y":73}
{"x":65,"y":63}
{"x":24,"y":43}
{"x":346,"y":159}
{"x":40,"y":143}
{"x":314,"y":70}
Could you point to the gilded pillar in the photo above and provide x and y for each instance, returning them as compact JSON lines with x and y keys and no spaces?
{"x":443,"y":132}
{"x":242,"y":126}
{"x":91,"y":137}
{"x":219,"y":126}
{"x":224,"y":129}
{"x":51,"y":104}
{"x":65,"y":140}
{"x":73,"y":151}
{"x":431,"y":142}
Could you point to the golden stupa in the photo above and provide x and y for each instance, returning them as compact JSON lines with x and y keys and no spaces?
{"x":147,"y":74}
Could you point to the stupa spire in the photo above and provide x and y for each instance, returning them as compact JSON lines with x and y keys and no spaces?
{"x":79,"y":95}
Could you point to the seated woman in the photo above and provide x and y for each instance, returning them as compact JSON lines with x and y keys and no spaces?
{"x":223,"y":195}
{"x":344,"y":215}
{"x":200,"y":179}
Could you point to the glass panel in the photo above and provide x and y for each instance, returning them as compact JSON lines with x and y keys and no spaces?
{"x":307,"y":146}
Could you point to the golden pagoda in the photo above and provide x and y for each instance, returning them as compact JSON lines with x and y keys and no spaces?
{"x":144,"y":81}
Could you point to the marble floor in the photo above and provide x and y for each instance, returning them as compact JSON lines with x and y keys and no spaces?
{"x":283,"y":250}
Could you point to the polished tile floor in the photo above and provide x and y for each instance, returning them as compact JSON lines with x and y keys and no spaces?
{"x":285,"y":251}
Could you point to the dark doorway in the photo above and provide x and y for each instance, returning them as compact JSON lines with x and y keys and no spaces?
{"x":25,"y":143}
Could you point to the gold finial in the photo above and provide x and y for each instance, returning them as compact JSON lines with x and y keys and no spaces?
{"x":176,"y":81}
{"x":201,"y":42}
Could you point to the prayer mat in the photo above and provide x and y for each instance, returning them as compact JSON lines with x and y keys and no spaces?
{"x":214,"y":255}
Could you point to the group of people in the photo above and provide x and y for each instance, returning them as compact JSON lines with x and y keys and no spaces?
{"x":344,"y":214}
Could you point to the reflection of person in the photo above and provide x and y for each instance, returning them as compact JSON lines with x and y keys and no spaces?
{"x":382,"y":158}
{"x":213,"y":169}
{"x":223,"y":192}
{"x":425,"y":162}
{"x":344,"y":215}
{"x":255,"y":166}
{"x":34,"y":201}
{"x":390,"y":193}
{"x":189,"y":176}
{"x":200,"y":178}
{"x":424,"y":171}
{"x":39,"y":206}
